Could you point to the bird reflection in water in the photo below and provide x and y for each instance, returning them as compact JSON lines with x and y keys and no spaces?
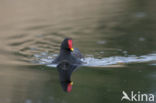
{"x":69,"y":60}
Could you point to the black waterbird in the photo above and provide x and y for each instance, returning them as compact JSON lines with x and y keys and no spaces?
{"x":69,"y":59}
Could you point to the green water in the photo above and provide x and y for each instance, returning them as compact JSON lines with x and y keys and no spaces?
{"x":99,"y":28}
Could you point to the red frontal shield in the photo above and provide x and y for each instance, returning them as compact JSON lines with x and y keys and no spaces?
{"x":70,"y":44}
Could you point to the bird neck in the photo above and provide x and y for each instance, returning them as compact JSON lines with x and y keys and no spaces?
{"x":65,"y":52}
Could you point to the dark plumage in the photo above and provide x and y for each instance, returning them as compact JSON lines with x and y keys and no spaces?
{"x":67,"y":61}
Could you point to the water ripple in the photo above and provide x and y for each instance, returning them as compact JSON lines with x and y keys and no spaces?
{"x":46,"y":59}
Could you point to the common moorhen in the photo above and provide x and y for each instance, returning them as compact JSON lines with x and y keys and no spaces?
{"x":67,"y":61}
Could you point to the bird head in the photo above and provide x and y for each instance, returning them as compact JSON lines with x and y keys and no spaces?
{"x":67,"y":44}
{"x":67,"y":86}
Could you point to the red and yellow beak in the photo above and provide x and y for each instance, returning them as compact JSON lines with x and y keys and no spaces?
{"x":71,"y":83}
{"x":69,"y":87}
{"x":72,"y":49}
{"x":70,"y":45}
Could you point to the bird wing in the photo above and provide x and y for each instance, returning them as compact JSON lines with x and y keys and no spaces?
{"x":77,"y":53}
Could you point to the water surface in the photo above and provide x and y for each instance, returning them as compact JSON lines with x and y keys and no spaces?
{"x":117,"y":38}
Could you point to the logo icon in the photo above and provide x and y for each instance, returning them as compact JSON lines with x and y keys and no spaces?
{"x":125,"y":96}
